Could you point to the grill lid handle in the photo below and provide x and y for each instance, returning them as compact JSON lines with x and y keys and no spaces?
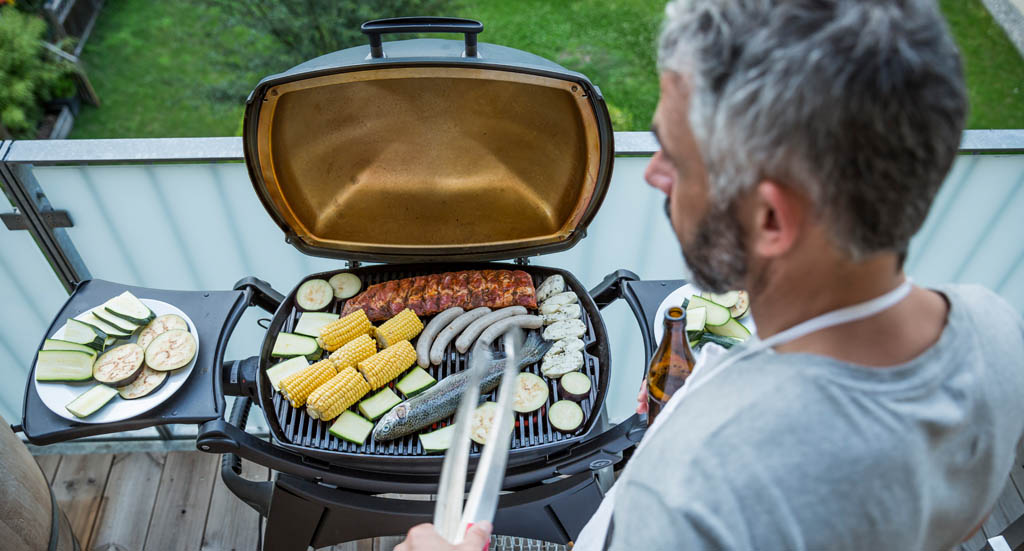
{"x":374,"y":29}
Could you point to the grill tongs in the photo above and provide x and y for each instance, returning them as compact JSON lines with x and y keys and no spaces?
{"x":450,"y":519}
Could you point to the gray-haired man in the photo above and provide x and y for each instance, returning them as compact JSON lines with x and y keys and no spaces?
{"x":802,"y":144}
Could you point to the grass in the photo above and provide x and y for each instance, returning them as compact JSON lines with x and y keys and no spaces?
{"x":175,"y":69}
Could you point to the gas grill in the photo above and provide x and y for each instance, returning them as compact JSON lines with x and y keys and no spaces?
{"x":424,"y":156}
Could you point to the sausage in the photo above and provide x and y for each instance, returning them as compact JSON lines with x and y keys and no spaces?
{"x":501,"y":326}
{"x":431,"y":330}
{"x":454,"y":328}
{"x":467,"y":337}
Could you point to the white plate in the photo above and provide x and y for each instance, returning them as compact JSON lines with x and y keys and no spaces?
{"x":58,"y":395}
{"x":676,"y":299}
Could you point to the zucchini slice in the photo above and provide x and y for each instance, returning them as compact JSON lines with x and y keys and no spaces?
{"x":160,"y":325}
{"x":148,"y":381}
{"x":127,"y":306}
{"x":91,"y":401}
{"x":350,"y":426}
{"x":345,"y":285}
{"x":64,"y":365}
{"x":574,"y":386}
{"x":415,"y":381}
{"x":171,"y":350}
{"x":277,"y":373}
{"x":124,"y":325}
{"x":311,"y":322}
{"x":314,"y":294}
{"x":727,"y":299}
{"x":716,"y":314}
{"x":119,"y":366}
{"x":483,"y":418}
{"x":110,"y":330}
{"x":731,"y":328}
{"x":288,"y":345}
{"x":57,"y":344}
{"x":696,"y":318}
{"x":109,"y":341}
{"x":83,"y":333}
{"x":566,"y":416}
{"x":376,"y":406}
{"x":531,"y":393}
{"x":439,"y":440}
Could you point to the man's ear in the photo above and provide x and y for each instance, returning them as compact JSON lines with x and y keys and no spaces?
{"x":778,"y":215}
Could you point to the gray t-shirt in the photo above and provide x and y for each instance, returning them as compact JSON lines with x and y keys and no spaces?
{"x":795,"y":451}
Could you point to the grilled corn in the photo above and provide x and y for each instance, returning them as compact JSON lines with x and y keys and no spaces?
{"x":402,"y":327}
{"x":353,"y":352}
{"x":387,"y":364}
{"x":337,"y":395}
{"x":298,"y":386}
{"x":344,"y":330}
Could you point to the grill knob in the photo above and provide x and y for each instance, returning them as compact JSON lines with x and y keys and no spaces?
{"x":599,"y":464}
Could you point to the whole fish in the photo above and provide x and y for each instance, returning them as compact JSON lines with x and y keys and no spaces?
{"x":441,"y":400}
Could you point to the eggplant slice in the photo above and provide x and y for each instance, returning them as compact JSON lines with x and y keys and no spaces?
{"x":145,"y":384}
{"x":119,"y":366}
{"x":171,"y":350}
{"x":159,"y":326}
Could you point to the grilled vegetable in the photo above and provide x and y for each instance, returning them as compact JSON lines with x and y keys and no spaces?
{"x":441,"y":400}
{"x":574,"y":386}
{"x":298,"y":386}
{"x":562,"y":313}
{"x":336,"y":395}
{"x":742,"y":305}
{"x":336,"y":334}
{"x":171,"y":350}
{"x":314,"y":294}
{"x":147,"y":381}
{"x":310,"y":323}
{"x":565,"y":416}
{"x":716,"y":313}
{"x":470,"y":334}
{"x":564,"y":346}
{"x":345,"y":285}
{"x":502,"y":326}
{"x":435,"y":326}
{"x":550,"y":287}
{"x":559,"y":364}
{"x":119,"y":366}
{"x":439,"y":440}
{"x":350,"y":426}
{"x":288,"y":345}
{"x":731,"y":328}
{"x":415,"y":381}
{"x":112,"y":331}
{"x":531,"y":393}
{"x":288,"y":367}
{"x":357,"y":350}
{"x":57,"y":344}
{"x":483,"y":420}
{"x":85,"y":334}
{"x":64,"y":365}
{"x":451,"y":330}
{"x":128,"y":307}
{"x":387,"y":364}
{"x":403,"y":327}
{"x":377,"y":405}
{"x":91,"y":401}
{"x":160,"y":325}
{"x":567,"y":297}
{"x":565,"y":329}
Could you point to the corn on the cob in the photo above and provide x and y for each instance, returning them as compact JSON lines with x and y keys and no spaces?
{"x":341,"y":331}
{"x":402,"y":327}
{"x":298,"y":386}
{"x":353,"y":352}
{"x":387,"y":364}
{"x":337,"y":395}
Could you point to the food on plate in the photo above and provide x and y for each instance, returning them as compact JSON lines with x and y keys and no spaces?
{"x":147,"y":381}
{"x":351,"y":427}
{"x":451,"y":330}
{"x":278,"y":372}
{"x":64,"y":365}
{"x":428,"y":295}
{"x":58,"y":344}
{"x":708,"y":320}
{"x":126,"y":306}
{"x":439,"y":440}
{"x":314,"y":294}
{"x":574,"y":386}
{"x":403,"y":327}
{"x":288,"y":345}
{"x":562,"y":313}
{"x":345,"y":285}
{"x":470,"y":334}
{"x":431,"y":331}
{"x":357,"y":350}
{"x":550,"y":287}
{"x":731,"y":328}
{"x":346,"y":328}
{"x":567,"y":297}
{"x":565,"y":329}
{"x":171,"y":350}
{"x":415,"y":381}
{"x":387,"y":364}
{"x":377,"y":405}
{"x":482,"y":421}
{"x":742,"y":305}
{"x":715,"y":314}
{"x":124,"y":326}
{"x":310,"y":323}
{"x":336,"y":395}
{"x":297,"y":387}
{"x":566,"y":345}
{"x":160,"y":325}
{"x":556,"y":365}
{"x":500,"y":327}
{"x":565,"y":416}
{"x":110,"y":330}
{"x":119,"y":366}
{"x":84,"y":334}
{"x":91,"y":401}
{"x":442,"y":399}
{"x":531,"y":393}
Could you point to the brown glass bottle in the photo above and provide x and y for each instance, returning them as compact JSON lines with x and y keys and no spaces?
{"x":671,"y":365}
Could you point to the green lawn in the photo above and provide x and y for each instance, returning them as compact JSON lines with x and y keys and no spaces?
{"x":176,"y":69}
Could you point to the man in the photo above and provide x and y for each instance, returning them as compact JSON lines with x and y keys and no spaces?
{"x":802,"y":143}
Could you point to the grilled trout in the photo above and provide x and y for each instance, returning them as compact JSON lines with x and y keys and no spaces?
{"x":441,"y":400}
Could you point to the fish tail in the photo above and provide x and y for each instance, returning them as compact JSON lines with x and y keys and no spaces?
{"x":534,"y":348}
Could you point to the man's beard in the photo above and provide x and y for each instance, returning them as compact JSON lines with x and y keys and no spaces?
{"x":717,"y":256}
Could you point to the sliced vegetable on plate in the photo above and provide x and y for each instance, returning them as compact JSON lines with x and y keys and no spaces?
{"x":160,"y":325}
{"x":531,"y":393}
{"x":119,"y":366}
{"x":91,"y":401}
{"x":85,"y":334}
{"x":171,"y":350}
{"x":565,"y":416}
{"x":351,"y":427}
{"x":288,"y":367}
{"x":314,"y":294}
{"x":64,"y":365}
{"x":144,"y":385}
{"x":715,"y":314}
{"x":345,"y":285}
{"x":58,"y":344}
{"x":127,"y":306}
{"x":111,"y":331}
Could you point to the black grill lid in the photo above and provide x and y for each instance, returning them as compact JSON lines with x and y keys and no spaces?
{"x":429,"y":153}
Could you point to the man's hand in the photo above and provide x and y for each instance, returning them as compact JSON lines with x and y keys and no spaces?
{"x":641,"y":399}
{"x":423,"y":537}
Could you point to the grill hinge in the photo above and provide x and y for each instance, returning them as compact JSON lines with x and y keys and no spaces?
{"x":353,"y":264}
{"x":522,"y":261}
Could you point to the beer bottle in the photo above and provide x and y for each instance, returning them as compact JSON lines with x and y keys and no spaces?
{"x":671,"y":364}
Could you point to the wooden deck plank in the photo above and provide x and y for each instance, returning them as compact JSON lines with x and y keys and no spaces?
{"x":49,"y":464}
{"x":78,"y":487}
{"x":231,"y":524}
{"x":182,"y":503}
{"x":128,"y":501}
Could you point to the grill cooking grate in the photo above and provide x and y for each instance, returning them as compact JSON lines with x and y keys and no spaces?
{"x":531,"y":429}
